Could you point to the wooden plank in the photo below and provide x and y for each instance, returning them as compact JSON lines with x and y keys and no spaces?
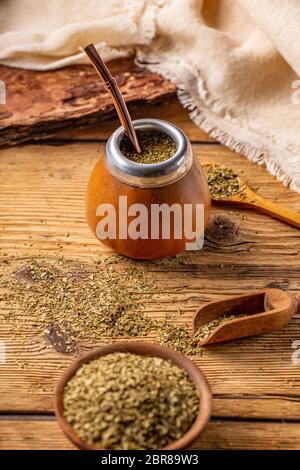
{"x":41,"y":103}
{"x":37,"y":434}
{"x":230,"y":435}
{"x":257,"y":407}
{"x":257,"y":366}
{"x":42,"y":197}
{"x":171,"y":111}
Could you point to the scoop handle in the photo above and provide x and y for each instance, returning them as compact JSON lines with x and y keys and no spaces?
{"x":275,"y":210}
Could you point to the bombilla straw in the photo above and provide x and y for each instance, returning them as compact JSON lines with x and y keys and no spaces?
{"x":115,"y":92}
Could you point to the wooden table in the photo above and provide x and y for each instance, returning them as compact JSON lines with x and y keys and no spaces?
{"x":255,"y":383}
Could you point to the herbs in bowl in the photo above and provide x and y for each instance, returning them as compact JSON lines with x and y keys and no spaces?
{"x":133,"y":395}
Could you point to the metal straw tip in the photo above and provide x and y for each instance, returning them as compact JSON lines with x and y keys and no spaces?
{"x":115,"y":92}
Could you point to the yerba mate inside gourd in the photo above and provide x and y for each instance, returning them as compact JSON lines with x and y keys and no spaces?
{"x":125,"y":401}
{"x":156,"y":147}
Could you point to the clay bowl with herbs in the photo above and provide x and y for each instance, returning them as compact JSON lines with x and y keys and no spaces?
{"x":133,"y":395}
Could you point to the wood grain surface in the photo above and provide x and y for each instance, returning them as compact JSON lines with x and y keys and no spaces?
{"x":255,"y":382}
{"x":40,"y":434}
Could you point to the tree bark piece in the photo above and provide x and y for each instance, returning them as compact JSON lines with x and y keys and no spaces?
{"x":41,"y":103}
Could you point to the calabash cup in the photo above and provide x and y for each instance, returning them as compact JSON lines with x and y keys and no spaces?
{"x":146,"y":349}
{"x":176,"y":188}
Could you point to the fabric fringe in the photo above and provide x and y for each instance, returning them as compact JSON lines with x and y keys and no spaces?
{"x":148,"y":21}
{"x":256,"y":155}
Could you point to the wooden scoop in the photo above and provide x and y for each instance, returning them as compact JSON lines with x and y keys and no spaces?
{"x":248,"y":198}
{"x":266,"y":310}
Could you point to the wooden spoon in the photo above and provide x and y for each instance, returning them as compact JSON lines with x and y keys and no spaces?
{"x":266,"y":310}
{"x":248,"y":198}
{"x":146,"y":349}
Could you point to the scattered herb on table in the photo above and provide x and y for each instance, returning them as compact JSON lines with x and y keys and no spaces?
{"x":156,"y":147}
{"x":176,"y":337}
{"x":74,"y":307}
{"x":125,"y":401}
{"x":71,"y":306}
